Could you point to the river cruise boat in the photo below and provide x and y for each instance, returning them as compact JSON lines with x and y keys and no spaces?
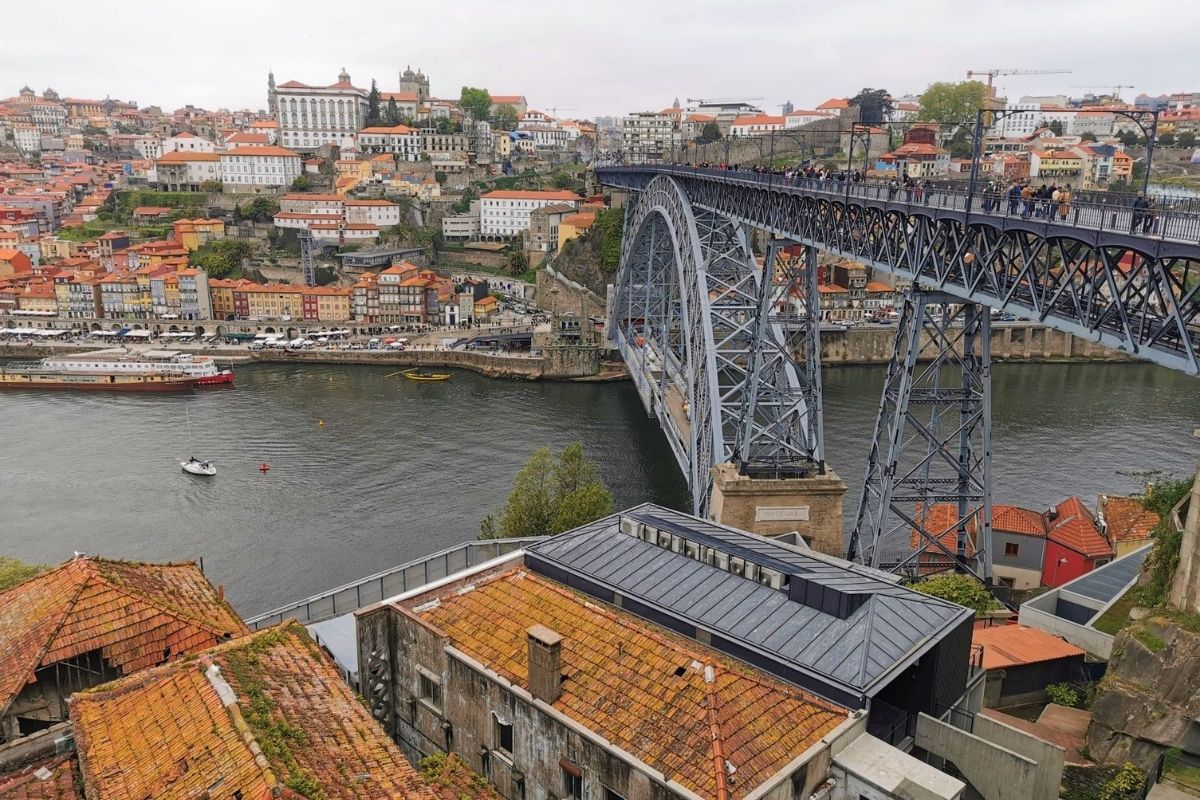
{"x":39,"y":375}
{"x":123,"y":361}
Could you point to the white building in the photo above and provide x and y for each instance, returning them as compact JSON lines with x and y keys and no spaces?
{"x":312,"y":116}
{"x":800,"y":117}
{"x":376,"y":212}
{"x":184,"y":170}
{"x":400,"y":140}
{"x":1020,"y":120}
{"x":756,"y":125}
{"x":505,"y":213}
{"x":28,"y":138}
{"x":187,"y":143}
{"x":149,"y":147}
{"x":648,"y":134}
{"x":248,"y":167}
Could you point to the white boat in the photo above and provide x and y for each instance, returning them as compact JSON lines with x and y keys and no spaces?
{"x":122,"y":360}
{"x":194,"y":467}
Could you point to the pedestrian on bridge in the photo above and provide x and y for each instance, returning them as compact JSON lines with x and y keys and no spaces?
{"x":1014,"y":198}
{"x":1027,"y":194}
{"x":1064,"y":202}
{"x":1139,"y":213}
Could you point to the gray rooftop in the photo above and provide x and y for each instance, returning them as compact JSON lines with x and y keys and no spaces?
{"x":833,"y":624}
{"x":1107,"y":582}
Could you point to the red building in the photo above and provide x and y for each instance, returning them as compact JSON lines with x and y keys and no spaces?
{"x":1074,"y":544}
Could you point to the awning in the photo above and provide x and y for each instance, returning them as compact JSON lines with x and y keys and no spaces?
{"x":138,"y":334}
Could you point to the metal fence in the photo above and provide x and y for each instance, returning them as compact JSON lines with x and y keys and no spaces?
{"x":389,"y":583}
{"x":1166,"y":223}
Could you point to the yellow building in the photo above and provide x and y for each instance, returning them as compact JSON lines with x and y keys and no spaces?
{"x":192,"y":234}
{"x":38,"y":297}
{"x":274,"y":300}
{"x":333,"y":302}
{"x":574,"y":226}
{"x":220,"y":294}
{"x":486,"y":308}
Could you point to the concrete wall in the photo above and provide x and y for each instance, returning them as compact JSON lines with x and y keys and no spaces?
{"x":873,"y":345}
{"x":1095,"y":642}
{"x":555,"y":363}
{"x":996,"y":772}
{"x":1049,"y":757}
{"x":569,"y":298}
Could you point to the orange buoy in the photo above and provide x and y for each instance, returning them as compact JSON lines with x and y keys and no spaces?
{"x":263,"y":467}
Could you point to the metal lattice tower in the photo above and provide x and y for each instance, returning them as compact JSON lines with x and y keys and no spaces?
{"x":308,"y":266}
{"x":926,"y":504}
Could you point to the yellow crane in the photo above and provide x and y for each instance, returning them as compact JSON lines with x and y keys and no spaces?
{"x":992,"y":73}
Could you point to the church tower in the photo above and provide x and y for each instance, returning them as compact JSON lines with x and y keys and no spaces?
{"x":272,"y":98}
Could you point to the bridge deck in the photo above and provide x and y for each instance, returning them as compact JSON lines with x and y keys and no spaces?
{"x":1160,"y":225}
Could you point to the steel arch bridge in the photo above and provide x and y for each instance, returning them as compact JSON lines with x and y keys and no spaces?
{"x":725,"y":351}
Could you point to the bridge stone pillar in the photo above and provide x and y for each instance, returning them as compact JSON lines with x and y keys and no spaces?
{"x":812,"y":507}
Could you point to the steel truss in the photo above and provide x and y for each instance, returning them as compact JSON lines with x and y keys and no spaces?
{"x":308,"y":266}
{"x":926,"y":505}
{"x":714,"y":369}
{"x":1132,"y":293}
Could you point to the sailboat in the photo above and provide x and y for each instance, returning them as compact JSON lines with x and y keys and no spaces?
{"x":194,"y":466}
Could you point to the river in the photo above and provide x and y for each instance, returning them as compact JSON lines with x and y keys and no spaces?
{"x":400,"y":469}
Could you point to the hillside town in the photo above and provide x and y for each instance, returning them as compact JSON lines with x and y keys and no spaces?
{"x":647,"y":654}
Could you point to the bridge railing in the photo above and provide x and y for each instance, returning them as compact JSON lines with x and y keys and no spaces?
{"x":389,"y":583}
{"x":1168,"y":224}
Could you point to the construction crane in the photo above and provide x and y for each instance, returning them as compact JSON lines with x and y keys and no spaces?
{"x":706,"y":100}
{"x":992,"y":73}
{"x":554,"y":109}
{"x":1116,"y":89}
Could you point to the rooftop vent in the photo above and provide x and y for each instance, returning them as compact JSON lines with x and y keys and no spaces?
{"x":826,"y":599}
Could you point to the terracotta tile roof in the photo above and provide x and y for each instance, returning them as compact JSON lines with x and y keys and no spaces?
{"x":136,"y":614}
{"x":1126,"y":519}
{"x":252,"y":150}
{"x":169,"y":733}
{"x":60,"y":782}
{"x":758,"y":119}
{"x":1014,"y":645}
{"x":248,"y":138}
{"x":1075,"y":528}
{"x":939,"y":521}
{"x":1014,"y":519}
{"x":180,"y":156}
{"x":667,"y":701}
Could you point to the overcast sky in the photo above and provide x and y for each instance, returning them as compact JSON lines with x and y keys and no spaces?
{"x":604,"y":57}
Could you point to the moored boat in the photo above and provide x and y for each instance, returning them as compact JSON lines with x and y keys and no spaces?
{"x":122,"y":361}
{"x":194,"y":466}
{"x":417,"y":374}
{"x":36,"y":375}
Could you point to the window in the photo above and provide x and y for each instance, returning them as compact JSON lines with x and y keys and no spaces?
{"x":503,"y":736}
{"x":609,"y":794}
{"x":1009,"y":582}
{"x":572,"y":784}
{"x":1011,"y":548}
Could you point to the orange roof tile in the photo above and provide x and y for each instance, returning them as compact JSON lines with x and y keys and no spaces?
{"x":168,"y":733}
{"x":177,"y":156}
{"x":516,"y":194}
{"x":1014,"y":519}
{"x":251,"y":150}
{"x":668,"y":701}
{"x":1126,"y":519}
{"x":25,"y":784}
{"x":136,"y":614}
{"x":1014,"y":645}
{"x":1075,"y":528}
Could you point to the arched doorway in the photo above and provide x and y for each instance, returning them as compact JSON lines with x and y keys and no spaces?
{"x":200,"y":330}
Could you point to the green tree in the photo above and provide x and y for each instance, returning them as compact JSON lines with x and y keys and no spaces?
{"x":440,"y":177}
{"x":505,"y":118}
{"x":1127,"y":784}
{"x":960,"y":145}
{"x":463,"y":204}
{"x":476,"y":102}
{"x":212,"y":186}
{"x":711,"y":132}
{"x":549,"y":497}
{"x":950,"y":101}
{"x":1087,"y":136}
{"x":392,"y":116}
{"x":874,"y":106}
{"x":13,"y":571}
{"x":1187,"y":139}
{"x":609,"y":226}
{"x":1166,"y":139}
{"x":961,"y":589}
{"x":373,"y":117}
{"x":1128,"y":138}
{"x":273,"y":235}
{"x":260,"y":209}
{"x":221,"y":258}
{"x":1055,"y":126}
{"x":516,"y":263}
{"x":445,"y":125}
{"x":301,"y":183}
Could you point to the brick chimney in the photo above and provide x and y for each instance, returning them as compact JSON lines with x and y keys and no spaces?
{"x":545,"y":663}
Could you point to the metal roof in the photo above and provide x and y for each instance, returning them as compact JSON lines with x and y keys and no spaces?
{"x":851,"y":657}
{"x":1109,"y":581}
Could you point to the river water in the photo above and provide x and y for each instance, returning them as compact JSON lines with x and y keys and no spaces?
{"x":401,"y":469}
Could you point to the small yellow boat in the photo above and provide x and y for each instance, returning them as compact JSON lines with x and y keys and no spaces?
{"x":416,"y":374}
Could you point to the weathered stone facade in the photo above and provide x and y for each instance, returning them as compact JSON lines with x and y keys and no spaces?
{"x":812,"y":507}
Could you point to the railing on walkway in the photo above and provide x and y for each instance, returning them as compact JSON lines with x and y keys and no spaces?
{"x":1168,"y":224}
{"x":389,"y":583}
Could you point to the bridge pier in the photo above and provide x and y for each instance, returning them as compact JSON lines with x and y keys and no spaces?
{"x":809,"y":506}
